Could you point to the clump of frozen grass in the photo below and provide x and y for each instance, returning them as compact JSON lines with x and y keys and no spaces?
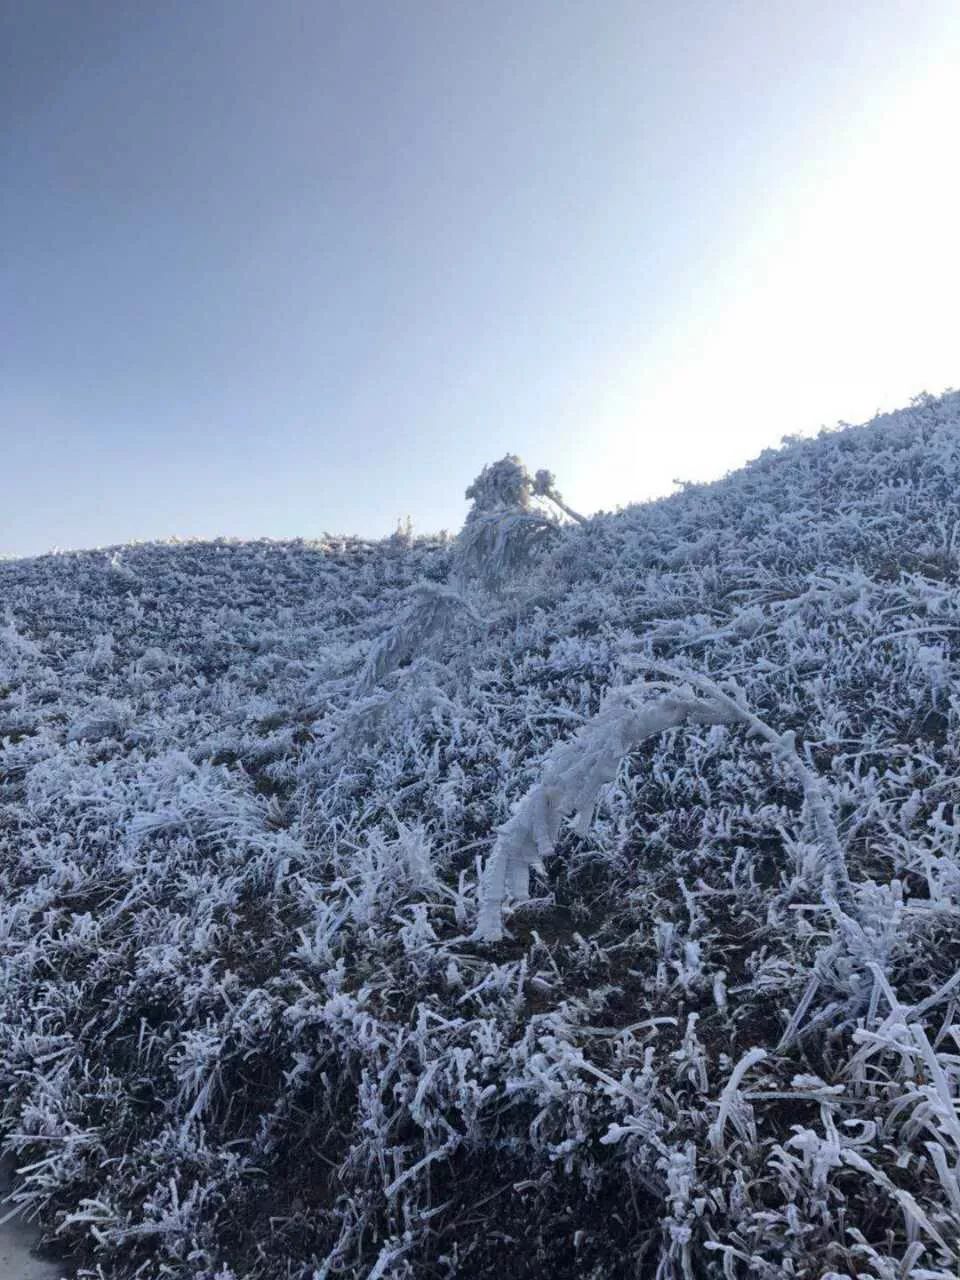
{"x":428,"y":620}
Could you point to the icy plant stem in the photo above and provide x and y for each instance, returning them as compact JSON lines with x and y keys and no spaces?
{"x":576,"y":770}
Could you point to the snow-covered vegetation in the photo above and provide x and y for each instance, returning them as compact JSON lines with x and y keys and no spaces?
{"x":369,"y":912}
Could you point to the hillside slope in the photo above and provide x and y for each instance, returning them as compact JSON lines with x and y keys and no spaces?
{"x":246,"y":1029}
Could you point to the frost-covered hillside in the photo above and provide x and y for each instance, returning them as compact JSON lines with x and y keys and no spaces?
{"x":251,"y":1022}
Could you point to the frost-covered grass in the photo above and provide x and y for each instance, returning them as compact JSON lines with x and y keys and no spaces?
{"x":248,"y":1024}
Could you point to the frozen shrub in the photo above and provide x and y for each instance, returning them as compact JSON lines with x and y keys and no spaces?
{"x":505,"y":531}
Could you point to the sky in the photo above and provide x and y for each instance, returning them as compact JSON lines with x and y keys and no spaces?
{"x":280,"y":267}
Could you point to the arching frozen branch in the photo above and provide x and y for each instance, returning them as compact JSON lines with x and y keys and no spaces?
{"x":576,"y":770}
{"x":573,"y":775}
{"x":545,"y":485}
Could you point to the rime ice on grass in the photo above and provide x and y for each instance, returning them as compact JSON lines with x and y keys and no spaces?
{"x":247,"y":793}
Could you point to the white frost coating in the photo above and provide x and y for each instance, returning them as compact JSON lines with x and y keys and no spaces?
{"x":573,"y":774}
{"x":784,"y":748}
{"x":730,"y":1094}
{"x":575,"y":771}
{"x":505,"y":529}
{"x":234,"y":892}
{"x":428,"y":618}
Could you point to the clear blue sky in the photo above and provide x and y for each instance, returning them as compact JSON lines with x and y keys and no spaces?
{"x":271,"y":267}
